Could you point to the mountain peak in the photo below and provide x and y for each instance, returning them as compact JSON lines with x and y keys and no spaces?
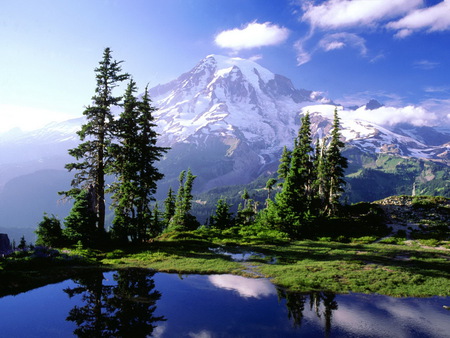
{"x":373,"y":104}
{"x":251,"y":70}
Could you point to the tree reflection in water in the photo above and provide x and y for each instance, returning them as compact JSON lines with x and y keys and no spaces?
{"x":121,"y":310}
{"x":321,"y":302}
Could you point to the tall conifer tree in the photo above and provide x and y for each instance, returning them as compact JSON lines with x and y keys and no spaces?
{"x":335,"y":166}
{"x":134,"y":165}
{"x":96,"y":135}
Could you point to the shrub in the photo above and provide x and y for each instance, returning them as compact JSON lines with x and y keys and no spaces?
{"x":49,"y":232}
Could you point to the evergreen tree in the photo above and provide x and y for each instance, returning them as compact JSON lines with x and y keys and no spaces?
{"x":335,"y":167}
{"x":246,"y":213}
{"x":169,"y":206}
{"x":182,"y":218}
{"x":285,"y":164}
{"x":292,"y":205}
{"x":321,"y":178}
{"x":22,"y":244}
{"x":134,"y":165}
{"x":158,"y":224}
{"x":97,"y":134}
{"x":269,"y":186}
{"x":79,"y":223}
{"x":223,"y":218}
{"x":49,"y":232}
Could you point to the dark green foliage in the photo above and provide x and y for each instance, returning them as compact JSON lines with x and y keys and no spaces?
{"x":97,"y":135}
{"x":269,"y":186}
{"x":80,"y":224}
{"x":182,"y":218}
{"x":49,"y":232}
{"x":134,"y":167}
{"x":223,"y":218}
{"x":169,"y":206}
{"x":292,"y":204}
{"x":335,"y":166}
{"x":22,"y":244}
{"x":313,"y":183}
{"x":285,"y":164}
{"x":247,"y":212}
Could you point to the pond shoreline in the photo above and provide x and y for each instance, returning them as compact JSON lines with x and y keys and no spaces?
{"x":398,"y":270}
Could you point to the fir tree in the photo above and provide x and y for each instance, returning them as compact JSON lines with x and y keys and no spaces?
{"x":321,"y":178}
{"x":134,"y":165}
{"x":182,"y":219}
{"x":49,"y":232}
{"x":96,"y":135}
{"x":285,"y":164}
{"x":169,"y":206}
{"x":293,"y":204}
{"x":335,"y":167}
{"x":269,"y":186}
{"x":223,"y":218}
{"x":79,"y":223}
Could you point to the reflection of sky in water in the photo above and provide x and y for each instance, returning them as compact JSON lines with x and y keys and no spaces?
{"x":246,"y":287}
{"x":368,"y":315}
{"x":200,"y":306}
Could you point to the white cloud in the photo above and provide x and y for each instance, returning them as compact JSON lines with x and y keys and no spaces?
{"x":340,"y":40}
{"x":201,"y":334}
{"x":417,"y":116}
{"x":437,"y":89}
{"x":345,"y":13}
{"x":383,"y":116}
{"x":255,"y":57}
{"x":252,"y":36}
{"x":28,"y":118}
{"x":302,"y":55}
{"x":246,"y":287}
{"x":425,"y":64}
{"x":434,"y":18}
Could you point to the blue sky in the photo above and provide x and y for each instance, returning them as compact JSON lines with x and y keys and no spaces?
{"x":396,"y":51}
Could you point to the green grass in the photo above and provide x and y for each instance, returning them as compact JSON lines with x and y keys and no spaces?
{"x":360,"y":265}
{"x":395,"y":270}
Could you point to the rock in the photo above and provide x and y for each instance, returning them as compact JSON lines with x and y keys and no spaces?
{"x":5,"y":245}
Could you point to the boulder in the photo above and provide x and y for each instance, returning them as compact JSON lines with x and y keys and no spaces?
{"x":5,"y":245}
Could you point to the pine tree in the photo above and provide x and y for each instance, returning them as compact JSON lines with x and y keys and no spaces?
{"x":285,"y":164}
{"x":297,"y":185}
{"x":134,"y":165}
{"x":169,"y":207}
{"x":49,"y":232}
{"x":321,"y":179}
{"x":96,"y":135}
{"x":335,"y":167}
{"x":269,"y":186}
{"x":182,"y":219}
{"x":223,"y":218}
{"x":293,"y":204}
{"x":79,"y":223}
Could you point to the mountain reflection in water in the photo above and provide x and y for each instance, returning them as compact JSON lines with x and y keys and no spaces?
{"x":142,"y":303}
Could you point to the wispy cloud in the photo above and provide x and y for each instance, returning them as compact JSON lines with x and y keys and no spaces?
{"x":431,"y":19}
{"x":361,"y":98}
{"x":341,"y":40}
{"x":425,"y":64}
{"x":252,"y":36}
{"x":343,"y":13}
{"x":441,"y":89}
{"x":404,"y":17}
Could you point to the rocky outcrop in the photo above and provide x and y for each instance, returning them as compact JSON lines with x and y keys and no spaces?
{"x":5,"y":245}
{"x":416,"y":213}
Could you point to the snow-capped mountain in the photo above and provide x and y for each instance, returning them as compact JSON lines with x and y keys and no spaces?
{"x":230,"y":97}
{"x":227,"y":119}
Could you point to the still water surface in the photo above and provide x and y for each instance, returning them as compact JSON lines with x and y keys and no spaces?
{"x":140,"y":303}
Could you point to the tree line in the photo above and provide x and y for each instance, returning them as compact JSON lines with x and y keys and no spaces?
{"x":123,"y":149}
